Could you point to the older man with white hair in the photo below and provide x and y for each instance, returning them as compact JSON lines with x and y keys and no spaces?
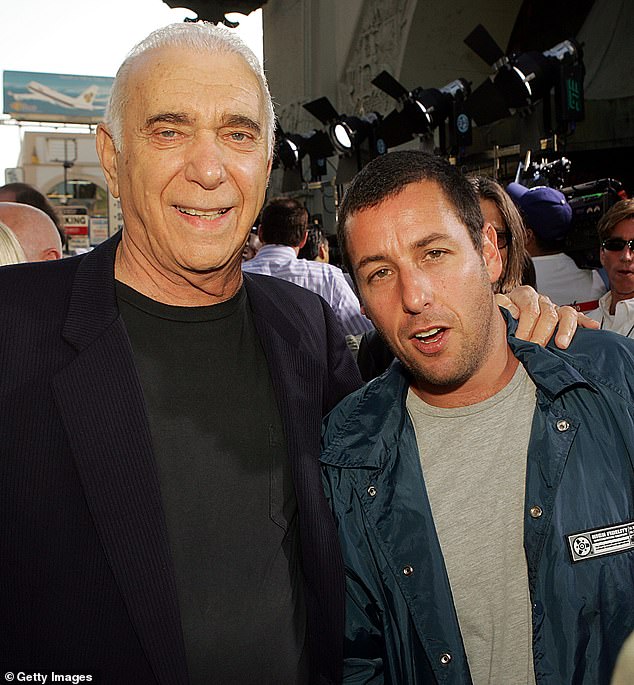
{"x":161,"y":515}
{"x":161,"y":427}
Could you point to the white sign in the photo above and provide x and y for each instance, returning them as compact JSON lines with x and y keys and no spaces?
{"x":98,"y":230}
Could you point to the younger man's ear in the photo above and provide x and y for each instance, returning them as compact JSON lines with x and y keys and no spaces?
{"x":491,"y":253}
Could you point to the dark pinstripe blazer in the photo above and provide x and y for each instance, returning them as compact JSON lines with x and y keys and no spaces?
{"x":86,"y":579}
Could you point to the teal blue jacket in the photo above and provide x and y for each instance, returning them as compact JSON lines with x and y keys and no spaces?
{"x":401,"y":625}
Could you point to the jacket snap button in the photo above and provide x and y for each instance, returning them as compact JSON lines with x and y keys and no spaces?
{"x":408,"y":570}
{"x":536,"y":511}
{"x":562,"y":425}
{"x":372,"y":491}
{"x":445,"y":658}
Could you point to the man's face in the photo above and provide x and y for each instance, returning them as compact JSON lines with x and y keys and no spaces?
{"x":425,"y":287}
{"x":193,"y":167}
{"x":619,"y":264}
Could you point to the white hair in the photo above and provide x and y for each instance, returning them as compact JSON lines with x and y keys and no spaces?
{"x":11,"y":251}
{"x":203,"y":37}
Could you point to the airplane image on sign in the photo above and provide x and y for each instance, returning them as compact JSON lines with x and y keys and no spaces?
{"x":38,"y":91}
{"x":68,"y":98}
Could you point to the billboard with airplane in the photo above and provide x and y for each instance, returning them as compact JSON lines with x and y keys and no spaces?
{"x":33,"y":96}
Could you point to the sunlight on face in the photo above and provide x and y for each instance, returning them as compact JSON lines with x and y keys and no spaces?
{"x":193,"y":167}
{"x":424,"y":285}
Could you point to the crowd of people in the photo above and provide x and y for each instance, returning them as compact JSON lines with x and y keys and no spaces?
{"x":174,"y":511}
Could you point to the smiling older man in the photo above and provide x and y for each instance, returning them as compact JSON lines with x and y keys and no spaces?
{"x":162,"y":516}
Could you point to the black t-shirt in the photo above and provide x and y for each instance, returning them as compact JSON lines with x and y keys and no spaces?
{"x":226,"y":487}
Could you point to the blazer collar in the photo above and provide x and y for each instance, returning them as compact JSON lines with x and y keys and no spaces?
{"x":269,"y":314}
{"x":93,"y":302}
{"x":101,"y":404}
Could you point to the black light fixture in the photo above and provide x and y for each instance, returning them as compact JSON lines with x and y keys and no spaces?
{"x":291,"y":148}
{"x":353,"y":138}
{"x":346,"y":133}
{"x":215,"y":10}
{"x":410,"y":118}
{"x":422,"y":110}
{"x":521,"y":80}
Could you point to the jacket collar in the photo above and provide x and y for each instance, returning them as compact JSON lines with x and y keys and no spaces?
{"x":100,"y":401}
{"x":547,"y":367}
{"x":268,"y":313}
{"x":93,"y":302}
{"x":376,"y":422}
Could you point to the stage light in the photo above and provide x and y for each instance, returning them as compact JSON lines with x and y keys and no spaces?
{"x":410,"y":118}
{"x":355,"y":139}
{"x":422,"y":110}
{"x":290,"y":150}
{"x":521,"y":80}
{"x":347,"y":133}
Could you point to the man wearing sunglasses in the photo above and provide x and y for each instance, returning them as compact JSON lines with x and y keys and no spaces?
{"x":616,"y":233}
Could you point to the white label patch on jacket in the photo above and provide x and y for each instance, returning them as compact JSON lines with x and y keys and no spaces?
{"x":601,"y":541}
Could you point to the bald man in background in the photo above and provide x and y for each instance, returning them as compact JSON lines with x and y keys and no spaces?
{"x":35,"y":231}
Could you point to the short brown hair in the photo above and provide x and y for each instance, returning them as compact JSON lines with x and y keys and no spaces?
{"x":617,"y":213}
{"x":388,"y":175}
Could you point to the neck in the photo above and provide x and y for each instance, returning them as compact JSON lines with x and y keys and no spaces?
{"x":186,"y":289}
{"x":497,"y":367}
{"x":616,"y":298}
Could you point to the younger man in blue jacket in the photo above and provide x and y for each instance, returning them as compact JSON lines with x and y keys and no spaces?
{"x":483,"y":487}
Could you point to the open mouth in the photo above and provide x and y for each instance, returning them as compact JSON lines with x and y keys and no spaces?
{"x":430,"y":336}
{"x":208,"y":214}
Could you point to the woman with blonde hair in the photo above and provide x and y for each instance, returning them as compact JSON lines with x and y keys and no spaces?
{"x":11,"y":251}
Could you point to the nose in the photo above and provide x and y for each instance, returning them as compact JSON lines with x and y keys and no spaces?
{"x":416,"y":290}
{"x":627,"y":254}
{"x":205,"y":163}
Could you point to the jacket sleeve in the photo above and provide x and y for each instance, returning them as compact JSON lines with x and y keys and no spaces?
{"x":364,"y":646}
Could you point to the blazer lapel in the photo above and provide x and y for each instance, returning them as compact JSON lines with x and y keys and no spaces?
{"x":295,"y":375}
{"x":101,"y":403}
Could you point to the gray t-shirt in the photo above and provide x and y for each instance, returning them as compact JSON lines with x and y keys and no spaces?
{"x":474,"y":464}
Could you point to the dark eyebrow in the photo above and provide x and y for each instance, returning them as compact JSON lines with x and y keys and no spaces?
{"x":369,"y":260}
{"x":431,"y":238}
{"x":168,"y":118}
{"x":242,"y":121}
{"x":424,"y":242}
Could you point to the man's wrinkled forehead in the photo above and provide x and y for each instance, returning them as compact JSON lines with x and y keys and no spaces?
{"x":191,"y":75}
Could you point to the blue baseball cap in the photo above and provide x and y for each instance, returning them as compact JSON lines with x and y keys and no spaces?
{"x":545,"y":209}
